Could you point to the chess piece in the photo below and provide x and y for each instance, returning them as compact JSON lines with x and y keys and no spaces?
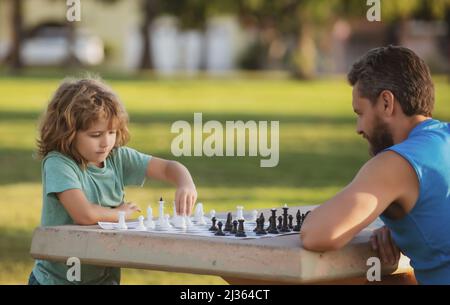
{"x":161,"y":220}
{"x":212,"y":213}
{"x":219,"y":231}
{"x":273,"y":223}
{"x":179,"y":222}
{"x":199,"y":214}
{"x":298,"y":219}
{"x":234,"y":229}
{"x":285,"y":226}
{"x":257,"y":225}
{"x":280,"y":222}
{"x":141,"y":226}
{"x":228,"y":224}
{"x":150,"y":223}
{"x":122,"y":225}
{"x":290,"y":225}
{"x":240,"y":212}
{"x":213,"y":227}
{"x":260,"y":228}
{"x":241,"y":232}
{"x":254,"y":215}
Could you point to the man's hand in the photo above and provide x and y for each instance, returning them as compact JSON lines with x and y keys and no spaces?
{"x":185,"y":198}
{"x":382,"y":242}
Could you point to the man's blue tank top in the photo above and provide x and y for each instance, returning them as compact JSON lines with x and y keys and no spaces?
{"x":424,"y":233}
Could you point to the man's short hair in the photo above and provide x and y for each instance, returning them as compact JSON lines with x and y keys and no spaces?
{"x":398,"y":70}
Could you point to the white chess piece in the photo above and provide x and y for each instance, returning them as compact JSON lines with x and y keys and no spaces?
{"x":150,"y":223}
{"x":188,"y":221}
{"x":141,"y":226}
{"x":122,"y":225}
{"x":167,"y":222}
{"x":240,"y":212}
{"x":199,"y":214}
{"x":254,"y":215}
{"x":161,"y":219}
{"x":179,"y":222}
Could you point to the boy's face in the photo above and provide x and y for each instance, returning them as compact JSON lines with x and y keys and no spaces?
{"x":95,"y":143}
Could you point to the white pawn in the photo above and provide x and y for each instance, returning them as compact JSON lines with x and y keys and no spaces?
{"x":199,"y":214}
{"x":141,"y":226}
{"x":122,"y":225}
{"x":150,"y":223}
{"x":179,"y":222}
{"x":167,"y":222}
{"x":188,"y":221}
{"x":254,"y":215}
{"x":240,"y":212}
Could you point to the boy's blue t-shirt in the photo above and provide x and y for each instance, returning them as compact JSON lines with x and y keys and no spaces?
{"x":103,"y":186}
{"x":424,"y":233}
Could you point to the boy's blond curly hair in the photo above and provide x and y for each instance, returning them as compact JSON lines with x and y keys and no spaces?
{"x":75,"y":106}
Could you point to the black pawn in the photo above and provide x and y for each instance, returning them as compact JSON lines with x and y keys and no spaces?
{"x":298,"y":219}
{"x":219,"y":232}
{"x":240,"y":232}
{"x":213,"y":227}
{"x":228,"y":224}
{"x":234,"y":229}
{"x":291,"y":218}
{"x":257,"y":225}
{"x":280,"y":222}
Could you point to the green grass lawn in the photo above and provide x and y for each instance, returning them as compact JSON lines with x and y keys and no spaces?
{"x":319,"y":150}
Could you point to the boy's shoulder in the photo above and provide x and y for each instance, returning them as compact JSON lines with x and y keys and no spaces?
{"x":55,"y":158}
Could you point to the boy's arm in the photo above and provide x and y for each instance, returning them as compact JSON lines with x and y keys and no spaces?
{"x":177,"y":174}
{"x":84,"y":212}
{"x":381,"y":181}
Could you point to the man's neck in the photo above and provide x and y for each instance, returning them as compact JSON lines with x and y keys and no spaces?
{"x":406,"y":126}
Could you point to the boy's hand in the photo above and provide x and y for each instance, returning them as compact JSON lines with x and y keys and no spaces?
{"x":382,"y":243}
{"x":129,"y":208}
{"x":185,"y":198}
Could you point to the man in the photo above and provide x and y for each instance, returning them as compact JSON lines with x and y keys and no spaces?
{"x":407,"y":182}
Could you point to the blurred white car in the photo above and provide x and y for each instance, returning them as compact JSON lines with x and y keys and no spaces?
{"x":49,"y":45}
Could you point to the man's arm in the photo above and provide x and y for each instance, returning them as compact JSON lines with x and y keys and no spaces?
{"x":386,"y":178}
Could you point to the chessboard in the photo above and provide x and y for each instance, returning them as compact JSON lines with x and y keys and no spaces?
{"x":238,"y":227}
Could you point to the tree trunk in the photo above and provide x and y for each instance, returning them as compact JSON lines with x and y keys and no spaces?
{"x":150,"y":8}
{"x":305,"y":54}
{"x":14,"y":60}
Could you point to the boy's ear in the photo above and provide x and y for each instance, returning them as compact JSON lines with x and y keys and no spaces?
{"x":386,"y":101}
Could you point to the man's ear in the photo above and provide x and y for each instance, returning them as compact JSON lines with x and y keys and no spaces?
{"x":386,"y":101}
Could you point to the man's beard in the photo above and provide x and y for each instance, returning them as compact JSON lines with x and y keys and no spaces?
{"x":380,"y":139}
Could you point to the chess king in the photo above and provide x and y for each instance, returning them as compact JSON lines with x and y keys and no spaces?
{"x":407,"y":180}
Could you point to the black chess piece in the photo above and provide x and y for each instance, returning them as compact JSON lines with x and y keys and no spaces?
{"x":234,"y":229}
{"x":280,"y":222}
{"x":284,"y":225}
{"x":213,"y":227}
{"x":219,"y":231}
{"x":298,"y":219}
{"x":290,"y":225}
{"x":228,"y":224}
{"x":257,"y":225}
{"x":272,"y":229}
{"x":241,"y":232}
{"x":260,"y":227}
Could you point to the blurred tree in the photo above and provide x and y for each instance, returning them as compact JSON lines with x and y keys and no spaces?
{"x":13,"y":59}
